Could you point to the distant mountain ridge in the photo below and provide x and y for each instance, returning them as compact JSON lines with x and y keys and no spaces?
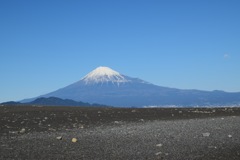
{"x":54,"y":101}
{"x":106,"y":86}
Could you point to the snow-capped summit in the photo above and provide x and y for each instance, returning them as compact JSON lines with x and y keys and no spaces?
{"x":104,"y":75}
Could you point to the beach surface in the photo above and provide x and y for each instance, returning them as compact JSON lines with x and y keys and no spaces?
{"x":33,"y":132}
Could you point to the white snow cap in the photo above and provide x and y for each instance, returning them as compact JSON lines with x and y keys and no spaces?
{"x":104,"y":74}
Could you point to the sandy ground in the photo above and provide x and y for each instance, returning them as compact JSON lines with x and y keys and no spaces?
{"x":174,"y":134}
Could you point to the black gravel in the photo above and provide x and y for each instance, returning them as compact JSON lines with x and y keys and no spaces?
{"x":115,"y":133}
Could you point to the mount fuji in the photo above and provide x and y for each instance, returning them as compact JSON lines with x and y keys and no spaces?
{"x":106,"y":86}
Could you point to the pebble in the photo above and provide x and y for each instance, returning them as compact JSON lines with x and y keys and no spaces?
{"x":52,"y":129}
{"x":59,"y":138}
{"x":230,"y":136}
{"x":116,"y":122}
{"x":13,"y":132}
{"x":74,"y":140}
{"x":7,"y":126}
{"x":81,"y":127}
{"x":206,"y":134}
{"x":133,"y":111}
{"x":159,"y":145}
{"x":212,"y":147}
{"x":23,"y":130}
{"x":158,"y":153}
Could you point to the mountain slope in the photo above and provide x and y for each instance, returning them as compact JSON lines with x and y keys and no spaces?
{"x":106,"y":86}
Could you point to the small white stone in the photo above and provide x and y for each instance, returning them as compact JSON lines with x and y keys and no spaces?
{"x":23,"y":130}
{"x":116,"y":122}
{"x":158,"y":153}
{"x":13,"y":132}
{"x":206,"y":134}
{"x":230,"y":136}
{"x":51,"y":129}
{"x":159,"y":145}
{"x":212,"y":147}
{"x":133,"y":111}
{"x":59,"y":138}
{"x":81,"y":127}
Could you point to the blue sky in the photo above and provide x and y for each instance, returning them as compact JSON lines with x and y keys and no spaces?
{"x":188,"y":44}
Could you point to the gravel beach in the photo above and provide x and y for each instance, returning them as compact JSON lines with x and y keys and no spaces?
{"x":181,"y":134}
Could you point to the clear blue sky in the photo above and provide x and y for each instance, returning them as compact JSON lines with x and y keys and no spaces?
{"x":187,"y":44}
